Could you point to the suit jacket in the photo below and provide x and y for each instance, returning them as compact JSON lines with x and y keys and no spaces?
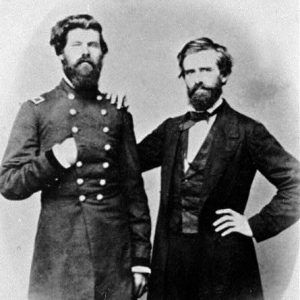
{"x":241,"y":146}
{"x":94,"y":222}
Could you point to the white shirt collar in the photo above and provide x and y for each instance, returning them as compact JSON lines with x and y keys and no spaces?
{"x":68,"y":81}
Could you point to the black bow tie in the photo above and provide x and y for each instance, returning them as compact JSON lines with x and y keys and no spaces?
{"x":197,"y":116}
{"x":192,"y":117}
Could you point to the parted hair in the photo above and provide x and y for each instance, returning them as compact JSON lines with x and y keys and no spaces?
{"x":224,"y":61}
{"x":59,"y":32}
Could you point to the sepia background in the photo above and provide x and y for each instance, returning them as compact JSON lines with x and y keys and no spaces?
{"x":143,"y":40}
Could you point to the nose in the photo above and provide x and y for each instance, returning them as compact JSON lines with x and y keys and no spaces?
{"x":198,"y":78}
{"x":85,"y":49}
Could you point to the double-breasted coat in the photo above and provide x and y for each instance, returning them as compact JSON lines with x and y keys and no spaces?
{"x":94,"y":223}
{"x":240,"y":148}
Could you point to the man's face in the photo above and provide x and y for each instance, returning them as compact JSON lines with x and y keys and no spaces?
{"x":203,"y":79}
{"x":82,"y":57}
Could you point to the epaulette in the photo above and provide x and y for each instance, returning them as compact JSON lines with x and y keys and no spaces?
{"x":37,"y":100}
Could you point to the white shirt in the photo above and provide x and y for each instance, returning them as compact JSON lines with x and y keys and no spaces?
{"x":198,"y":133}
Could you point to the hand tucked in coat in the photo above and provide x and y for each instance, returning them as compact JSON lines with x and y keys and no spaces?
{"x":232,"y":221}
{"x":140,"y":282}
{"x":66,"y":152}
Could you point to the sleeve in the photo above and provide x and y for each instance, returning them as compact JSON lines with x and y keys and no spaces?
{"x":24,"y":169}
{"x":133,"y":190}
{"x":150,"y":149}
{"x":283,"y":171}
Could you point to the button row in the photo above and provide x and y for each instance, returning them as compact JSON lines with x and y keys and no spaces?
{"x":72,"y":97}
{"x":99,"y":98}
{"x":75,"y":129}
{"x":105,"y":165}
{"x":80,"y":181}
{"x":73,"y":112}
{"x":82,"y":198}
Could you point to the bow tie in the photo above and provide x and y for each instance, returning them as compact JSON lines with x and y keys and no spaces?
{"x":192,"y":117}
{"x":197,"y":116}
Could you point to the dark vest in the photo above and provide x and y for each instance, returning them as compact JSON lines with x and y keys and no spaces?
{"x":186,"y":192}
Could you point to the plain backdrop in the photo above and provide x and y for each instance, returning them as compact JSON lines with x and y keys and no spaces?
{"x":144,"y":38}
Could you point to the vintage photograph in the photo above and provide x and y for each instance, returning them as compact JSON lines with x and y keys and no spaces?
{"x":149,"y":150}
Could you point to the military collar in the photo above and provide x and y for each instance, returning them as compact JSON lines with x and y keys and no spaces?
{"x":92,"y":94}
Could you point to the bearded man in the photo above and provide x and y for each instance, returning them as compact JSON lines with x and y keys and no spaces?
{"x":93,"y":238}
{"x":203,"y":247}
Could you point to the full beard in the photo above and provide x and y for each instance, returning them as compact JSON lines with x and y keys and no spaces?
{"x":203,"y":98}
{"x":83,"y":80}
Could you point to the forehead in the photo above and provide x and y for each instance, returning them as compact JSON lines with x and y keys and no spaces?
{"x":204,"y":58}
{"x":83,"y":35}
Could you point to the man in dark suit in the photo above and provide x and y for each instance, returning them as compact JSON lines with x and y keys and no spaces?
{"x":203,"y":247}
{"x":93,"y":238}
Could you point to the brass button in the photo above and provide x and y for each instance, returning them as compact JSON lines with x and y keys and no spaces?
{"x":107,"y":147}
{"x":105,"y":165}
{"x":75,"y":129}
{"x":105,"y":129}
{"x":99,"y":197}
{"x":103,"y":112}
{"x":79,"y":164}
{"x":71,"y":96}
{"x":82,"y":198}
{"x":102,"y":182}
{"x":80,"y":181}
{"x":73,"y":111}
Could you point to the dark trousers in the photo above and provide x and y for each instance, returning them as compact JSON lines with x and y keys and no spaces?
{"x":193,"y":273}
{"x":184,"y":267}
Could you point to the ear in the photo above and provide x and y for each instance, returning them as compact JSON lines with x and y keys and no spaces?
{"x":224,"y":79}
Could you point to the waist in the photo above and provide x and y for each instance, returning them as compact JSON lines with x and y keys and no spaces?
{"x":88,"y":189}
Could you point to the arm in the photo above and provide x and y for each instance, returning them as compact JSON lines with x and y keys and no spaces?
{"x":282,"y":170}
{"x":133,"y":189}
{"x":25,"y":169}
{"x":150,"y":149}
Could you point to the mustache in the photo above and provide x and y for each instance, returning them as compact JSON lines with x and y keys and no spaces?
{"x":197,"y":86}
{"x":86,"y":60}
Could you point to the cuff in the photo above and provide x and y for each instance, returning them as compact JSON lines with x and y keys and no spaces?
{"x":258,"y":228}
{"x":141,"y":269}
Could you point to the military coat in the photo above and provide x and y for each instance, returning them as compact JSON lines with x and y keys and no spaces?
{"x":94,"y":223}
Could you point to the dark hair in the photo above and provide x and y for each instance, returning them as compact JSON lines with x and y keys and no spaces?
{"x":60,"y":30}
{"x":224,"y":61}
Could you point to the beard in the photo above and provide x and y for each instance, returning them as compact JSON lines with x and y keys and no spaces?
{"x":202,"y":97}
{"x":84,"y":74}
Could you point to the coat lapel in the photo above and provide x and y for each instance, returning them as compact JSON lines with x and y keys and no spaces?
{"x":226,"y":138}
{"x":173,"y":133}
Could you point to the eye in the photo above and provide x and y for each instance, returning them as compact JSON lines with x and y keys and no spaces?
{"x":188,"y":72}
{"x":94,"y":44}
{"x":76,"y":44}
{"x":205,"y":69}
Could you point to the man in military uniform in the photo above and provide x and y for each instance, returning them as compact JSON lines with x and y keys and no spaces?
{"x":80,"y":152}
